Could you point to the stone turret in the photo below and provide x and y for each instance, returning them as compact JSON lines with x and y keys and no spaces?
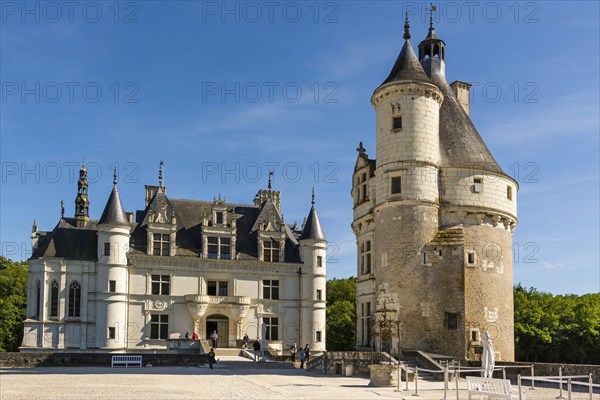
{"x":313,"y":253}
{"x":112,"y":278}
{"x":82,"y":202}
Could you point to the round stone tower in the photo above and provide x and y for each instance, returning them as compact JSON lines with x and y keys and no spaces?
{"x":313,"y":253}
{"x":111,"y":275}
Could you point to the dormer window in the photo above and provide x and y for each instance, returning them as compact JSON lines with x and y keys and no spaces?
{"x":161,"y":244}
{"x":219,"y":217}
{"x":219,"y":248}
{"x":270,"y":251}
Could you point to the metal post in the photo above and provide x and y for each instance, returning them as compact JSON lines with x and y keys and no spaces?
{"x":560,"y":396}
{"x":504,"y":373}
{"x":532,"y":380}
{"x":569,"y":388}
{"x":446,"y":381}
{"x":416,"y":393}
{"x":399,"y":377}
{"x":406,"y":389}
{"x":519,"y":386}
{"x":456,"y":376}
{"x":591,"y":388}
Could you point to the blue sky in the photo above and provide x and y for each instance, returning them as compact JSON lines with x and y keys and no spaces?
{"x":224,"y":91}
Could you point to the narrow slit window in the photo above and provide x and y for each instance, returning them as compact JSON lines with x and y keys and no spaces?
{"x":509,"y":192}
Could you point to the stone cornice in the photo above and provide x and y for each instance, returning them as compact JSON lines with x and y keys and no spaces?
{"x":407,"y":87}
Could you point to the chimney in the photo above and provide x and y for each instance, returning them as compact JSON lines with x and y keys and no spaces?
{"x":462,"y":92}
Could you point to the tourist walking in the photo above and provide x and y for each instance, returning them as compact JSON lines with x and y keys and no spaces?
{"x":256,"y":347}
{"x":215,"y":338}
{"x":195,"y":336}
{"x":293,"y":350}
{"x":245,"y":341}
{"x":302,"y":358}
{"x":211,"y":358}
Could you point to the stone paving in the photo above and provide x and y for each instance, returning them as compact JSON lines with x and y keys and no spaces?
{"x":232,"y":378}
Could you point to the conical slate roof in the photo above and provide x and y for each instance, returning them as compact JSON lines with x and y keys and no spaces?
{"x":113,"y":212}
{"x":312,"y":228}
{"x":460,"y":144}
{"x":407,"y":67}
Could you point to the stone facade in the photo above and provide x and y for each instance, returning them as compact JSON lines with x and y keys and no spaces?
{"x":433,"y":218}
{"x":183,"y":266}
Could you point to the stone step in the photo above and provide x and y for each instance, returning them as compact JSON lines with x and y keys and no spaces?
{"x":227,"y":352}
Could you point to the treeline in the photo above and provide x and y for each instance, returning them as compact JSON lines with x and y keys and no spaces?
{"x":13,"y":303}
{"x":561,"y":328}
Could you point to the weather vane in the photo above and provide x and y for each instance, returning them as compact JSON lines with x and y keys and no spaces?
{"x":432,"y":9}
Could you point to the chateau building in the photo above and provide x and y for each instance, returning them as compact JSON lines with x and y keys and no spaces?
{"x":122,"y":284}
{"x":434,"y":216}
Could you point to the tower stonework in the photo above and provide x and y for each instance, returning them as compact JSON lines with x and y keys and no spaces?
{"x":433,"y":219}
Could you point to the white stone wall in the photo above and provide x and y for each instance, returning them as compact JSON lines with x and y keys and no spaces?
{"x":457,"y":189}
{"x":418,"y":140}
{"x":419,"y":182}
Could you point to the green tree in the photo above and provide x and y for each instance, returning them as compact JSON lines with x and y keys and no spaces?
{"x":341,"y":314}
{"x":13,"y":303}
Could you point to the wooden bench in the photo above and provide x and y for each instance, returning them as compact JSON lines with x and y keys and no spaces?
{"x":489,"y":387}
{"x":125,"y":361}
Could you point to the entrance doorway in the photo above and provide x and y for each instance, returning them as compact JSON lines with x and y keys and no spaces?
{"x":219,"y":323}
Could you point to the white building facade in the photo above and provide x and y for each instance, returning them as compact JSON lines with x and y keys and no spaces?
{"x":183,"y":267}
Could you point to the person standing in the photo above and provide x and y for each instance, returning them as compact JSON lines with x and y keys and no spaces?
{"x":307,"y":352}
{"x":293,"y":350}
{"x":302,"y":358}
{"x":245,"y":341}
{"x":187,"y":335}
{"x":211,"y":358}
{"x":195,"y":336}
{"x":256,"y":347}
{"x":215,"y":338}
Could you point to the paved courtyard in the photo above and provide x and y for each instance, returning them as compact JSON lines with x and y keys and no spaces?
{"x":232,"y":378}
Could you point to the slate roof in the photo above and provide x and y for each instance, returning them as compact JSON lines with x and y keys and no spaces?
{"x":407,"y":67}
{"x":312,"y":228}
{"x":67,"y":241}
{"x":113,"y":211}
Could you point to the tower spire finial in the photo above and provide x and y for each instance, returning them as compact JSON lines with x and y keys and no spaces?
{"x":432,"y":8}
{"x":270,"y":186}
{"x":160,"y":174}
{"x":313,"y":196}
{"x":115,"y":175}
{"x":406,"y":28}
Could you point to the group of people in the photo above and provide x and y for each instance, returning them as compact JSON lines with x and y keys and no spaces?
{"x":303,"y":354}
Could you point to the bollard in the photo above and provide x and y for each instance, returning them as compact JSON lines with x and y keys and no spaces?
{"x":406,"y":389}
{"x":399,"y":377}
{"x":569,"y":388}
{"x":503,"y":373}
{"x":532,"y":380}
{"x":519,"y":386}
{"x":416,"y":393}
{"x":560,"y":396}
{"x":591,"y":387}
{"x":446,"y":381}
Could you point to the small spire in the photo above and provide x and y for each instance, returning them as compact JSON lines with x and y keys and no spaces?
{"x":432,"y":8}
{"x":313,"y":196}
{"x":270,"y":186}
{"x":406,"y":30}
{"x":34,"y":227}
{"x":115,"y":175}
{"x":62,"y":208}
{"x":160,"y":174}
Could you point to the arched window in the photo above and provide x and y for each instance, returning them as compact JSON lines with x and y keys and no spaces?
{"x":74,"y":299}
{"x":36,"y":299}
{"x":54,"y":299}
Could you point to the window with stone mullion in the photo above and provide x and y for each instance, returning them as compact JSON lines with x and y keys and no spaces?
{"x":161,"y":244}
{"x":270,"y":251}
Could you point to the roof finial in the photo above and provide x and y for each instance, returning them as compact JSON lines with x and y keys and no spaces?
{"x":270,"y":186}
{"x":432,"y":8}
{"x":115,"y":175}
{"x":313,"y":196}
{"x":62,"y":209}
{"x":406,"y":29}
{"x":160,"y":174}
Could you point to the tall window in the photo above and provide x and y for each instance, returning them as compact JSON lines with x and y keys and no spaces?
{"x":319,"y":336}
{"x":319,"y":261}
{"x":219,"y":248}
{"x":365,"y":257}
{"x":272,"y":328}
{"x":161,"y":244}
{"x":111,"y":332}
{"x":217,"y":288}
{"x":159,"y":326}
{"x":319,"y":294}
{"x":161,"y":284}
{"x":112,"y":286}
{"x":361,"y":188}
{"x":271,"y":289}
{"x":396,"y":185}
{"x":37,"y":299}
{"x":270,"y":251}
{"x":74,"y":299}
{"x":452,"y":321}
{"x":366,"y":323}
{"x":107,"y":249}
{"x":397,"y":123}
{"x":54,"y":299}
{"x":219,"y":215}
{"x":509,"y":192}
